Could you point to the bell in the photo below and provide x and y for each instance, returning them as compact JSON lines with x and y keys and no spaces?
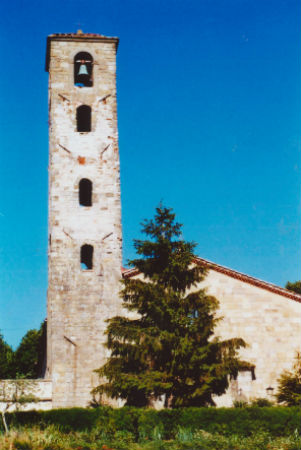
{"x":83,"y":70}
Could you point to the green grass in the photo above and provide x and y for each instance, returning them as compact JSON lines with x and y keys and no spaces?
{"x":105,"y":428}
{"x":52,"y":438}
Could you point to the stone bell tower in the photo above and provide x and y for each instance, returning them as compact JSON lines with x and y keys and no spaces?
{"x":84,"y":253}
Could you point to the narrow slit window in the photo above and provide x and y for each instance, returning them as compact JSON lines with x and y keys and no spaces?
{"x":83,"y":70}
{"x":86,"y":257}
{"x":83,"y":118}
{"x":85,"y":192}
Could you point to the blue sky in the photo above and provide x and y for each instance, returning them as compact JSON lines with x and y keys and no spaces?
{"x":209,"y":122}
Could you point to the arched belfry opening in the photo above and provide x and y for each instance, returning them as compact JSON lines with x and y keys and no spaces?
{"x":83,"y":118}
{"x":83,"y":69}
{"x":85,"y":192}
{"x":86,"y":257}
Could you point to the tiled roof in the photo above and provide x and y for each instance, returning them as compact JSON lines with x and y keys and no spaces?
{"x":80,"y":34}
{"x":233,"y":274}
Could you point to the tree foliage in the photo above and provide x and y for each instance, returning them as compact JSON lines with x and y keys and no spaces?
{"x":296,"y":286}
{"x":6,"y":355}
{"x":28,"y":359}
{"x":166,"y":346}
{"x":289,"y":385}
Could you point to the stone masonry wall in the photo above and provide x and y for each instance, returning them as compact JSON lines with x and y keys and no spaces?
{"x":270,"y":325}
{"x":79,"y":301}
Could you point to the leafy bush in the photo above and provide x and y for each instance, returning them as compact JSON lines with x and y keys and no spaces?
{"x":125,"y":419}
{"x":240,"y":404}
{"x":145,"y":424}
{"x":72,"y":419}
{"x":289,"y":385}
{"x":148,"y":421}
{"x":261,"y":402}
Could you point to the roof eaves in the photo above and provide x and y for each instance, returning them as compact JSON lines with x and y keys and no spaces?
{"x":248,"y":279}
{"x":233,"y":274}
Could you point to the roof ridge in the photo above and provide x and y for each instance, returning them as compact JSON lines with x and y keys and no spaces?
{"x":234,"y":274}
{"x":81,"y":35}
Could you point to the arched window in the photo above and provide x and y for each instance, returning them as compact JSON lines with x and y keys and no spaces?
{"x":83,"y":70}
{"x":85,"y":192}
{"x":83,"y":118}
{"x":86,"y":257}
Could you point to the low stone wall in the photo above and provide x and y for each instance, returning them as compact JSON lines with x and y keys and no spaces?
{"x":24,"y":395}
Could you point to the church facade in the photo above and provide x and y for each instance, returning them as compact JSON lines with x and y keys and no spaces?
{"x":84,"y":251}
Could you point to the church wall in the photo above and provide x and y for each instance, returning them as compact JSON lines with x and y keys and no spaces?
{"x":268,"y":322}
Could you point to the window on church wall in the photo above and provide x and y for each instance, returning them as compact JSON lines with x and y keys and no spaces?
{"x":85,"y":192}
{"x":83,"y":118}
{"x":86,"y":257}
{"x":83,"y":70}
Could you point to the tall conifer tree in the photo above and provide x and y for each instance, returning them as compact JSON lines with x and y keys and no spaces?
{"x":166,"y":346}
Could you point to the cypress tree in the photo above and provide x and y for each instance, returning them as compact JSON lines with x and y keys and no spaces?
{"x":166,"y":345}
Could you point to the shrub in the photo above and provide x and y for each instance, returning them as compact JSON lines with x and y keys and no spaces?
{"x":261,"y":402}
{"x":289,"y":385}
{"x":71,"y":419}
{"x":148,"y":421}
{"x":240,"y":404}
{"x":125,"y":419}
{"x":141,"y":423}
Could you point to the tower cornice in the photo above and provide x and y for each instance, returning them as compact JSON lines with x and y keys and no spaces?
{"x":77,"y":37}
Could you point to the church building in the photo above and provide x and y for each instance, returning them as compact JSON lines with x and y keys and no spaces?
{"x":85,"y":243}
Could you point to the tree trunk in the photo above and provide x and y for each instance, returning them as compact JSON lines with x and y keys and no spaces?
{"x":4,"y":422}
